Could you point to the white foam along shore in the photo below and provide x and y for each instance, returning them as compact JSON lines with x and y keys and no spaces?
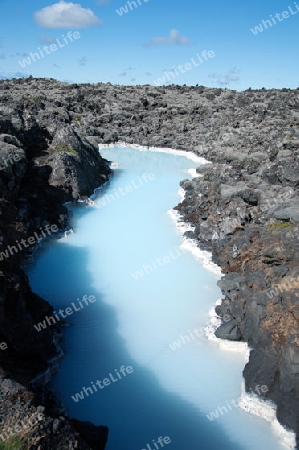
{"x":187,"y":244}
{"x":266,"y":410}
{"x":188,"y":155}
{"x":250,"y":403}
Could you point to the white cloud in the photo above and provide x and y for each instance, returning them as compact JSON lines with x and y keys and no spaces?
{"x":66,"y":15}
{"x":9,"y":75}
{"x":124,"y":73}
{"x":13,"y":55}
{"x":226,"y":79}
{"x":173,"y":39}
{"x":234,"y":70}
{"x":83,"y":61}
{"x":47,"y":39}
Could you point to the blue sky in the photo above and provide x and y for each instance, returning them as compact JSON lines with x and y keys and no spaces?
{"x":138,"y":46}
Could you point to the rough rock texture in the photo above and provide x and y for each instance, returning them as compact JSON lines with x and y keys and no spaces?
{"x":244,"y":207}
{"x":260,"y":258}
{"x":38,"y":426}
{"x":41,"y":167}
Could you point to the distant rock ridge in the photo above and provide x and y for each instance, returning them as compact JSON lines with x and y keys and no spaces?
{"x":244,"y":207}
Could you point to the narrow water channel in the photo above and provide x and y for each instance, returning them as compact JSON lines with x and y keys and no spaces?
{"x":135,"y":357}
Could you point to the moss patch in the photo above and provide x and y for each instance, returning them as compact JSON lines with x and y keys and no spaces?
{"x":13,"y":443}
{"x":207,"y":176}
{"x":63,"y":147}
{"x":277,"y":226}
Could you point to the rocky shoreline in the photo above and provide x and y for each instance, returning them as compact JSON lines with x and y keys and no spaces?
{"x":38,"y":175}
{"x":253,"y":237}
{"x":244,"y":209}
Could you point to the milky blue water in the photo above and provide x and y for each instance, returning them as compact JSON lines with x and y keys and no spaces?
{"x":126,"y":252}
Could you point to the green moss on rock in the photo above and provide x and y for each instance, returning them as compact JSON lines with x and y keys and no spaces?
{"x":63,"y":147}
{"x":279,"y":226}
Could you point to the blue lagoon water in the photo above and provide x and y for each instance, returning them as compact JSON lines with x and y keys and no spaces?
{"x":149,"y":292}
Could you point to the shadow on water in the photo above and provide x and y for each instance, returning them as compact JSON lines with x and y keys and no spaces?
{"x":136,"y":408}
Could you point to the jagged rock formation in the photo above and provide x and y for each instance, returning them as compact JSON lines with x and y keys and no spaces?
{"x":244,"y":207}
{"x":27,"y":419}
{"x":42,"y":166}
{"x":260,"y":257}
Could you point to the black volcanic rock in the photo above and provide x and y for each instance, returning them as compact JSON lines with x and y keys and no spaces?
{"x":96,"y":437}
{"x":229,"y":331}
{"x":39,"y":171}
{"x":244,"y":207}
